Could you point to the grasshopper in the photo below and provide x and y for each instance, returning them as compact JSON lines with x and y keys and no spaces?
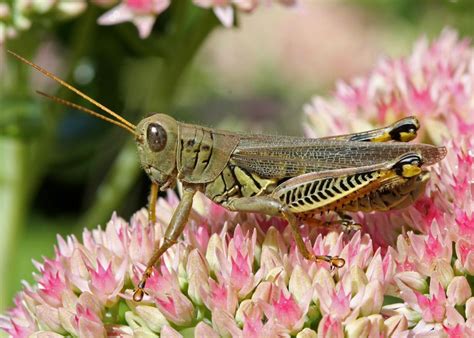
{"x":290,"y":177}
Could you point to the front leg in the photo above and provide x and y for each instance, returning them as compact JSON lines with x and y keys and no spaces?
{"x":152,"y":202}
{"x":173,"y":231}
{"x":269,"y":206}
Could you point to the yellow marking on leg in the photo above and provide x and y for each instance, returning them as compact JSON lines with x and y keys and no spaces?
{"x":385,"y":137}
{"x":407,"y":137}
{"x":410,"y":170}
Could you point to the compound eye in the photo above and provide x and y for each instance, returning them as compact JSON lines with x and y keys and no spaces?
{"x":156,"y":137}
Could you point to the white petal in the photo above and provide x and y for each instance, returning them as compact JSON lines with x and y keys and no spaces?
{"x":42,"y":6}
{"x":71,"y":8}
{"x":144,"y":25}
{"x":225,"y":14}
{"x":4,"y":11}
{"x":11,"y":32}
{"x":203,"y":3}
{"x":160,"y":5}
{"x":118,"y":14}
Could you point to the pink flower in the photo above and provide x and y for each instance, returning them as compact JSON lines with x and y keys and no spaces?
{"x":334,"y":301}
{"x":330,"y":327}
{"x":284,"y":309}
{"x":435,"y":84}
{"x":142,"y":13}
{"x":465,"y":254}
{"x":433,"y":309}
{"x":251,"y":286}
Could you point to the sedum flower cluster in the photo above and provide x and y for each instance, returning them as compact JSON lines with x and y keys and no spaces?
{"x":143,"y":13}
{"x":240,"y":275}
{"x":18,"y":15}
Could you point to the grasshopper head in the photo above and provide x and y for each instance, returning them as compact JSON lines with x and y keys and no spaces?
{"x":156,"y":138}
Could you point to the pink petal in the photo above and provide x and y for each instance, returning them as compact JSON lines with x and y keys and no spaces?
{"x":204,"y":330}
{"x":286,"y":310}
{"x":330,"y":327}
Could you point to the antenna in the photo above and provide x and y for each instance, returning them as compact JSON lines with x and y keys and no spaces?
{"x":123,"y":121}
{"x":86,"y":110}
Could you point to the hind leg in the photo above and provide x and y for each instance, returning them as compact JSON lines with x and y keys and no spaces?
{"x":272,"y":207}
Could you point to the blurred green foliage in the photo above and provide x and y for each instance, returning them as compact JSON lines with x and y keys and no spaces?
{"x":70,"y":170}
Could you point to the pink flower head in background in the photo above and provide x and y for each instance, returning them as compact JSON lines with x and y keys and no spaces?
{"x":240,"y":275}
{"x":18,"y":15}
{"x":225,"y":10}
{"x":142,"y":13}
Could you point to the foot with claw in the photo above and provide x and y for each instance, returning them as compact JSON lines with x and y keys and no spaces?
{"x":139,"y":292}
{"x":335,"y":261}
{"x":349,"y":226}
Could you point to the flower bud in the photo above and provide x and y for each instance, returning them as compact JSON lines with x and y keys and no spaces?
{"x":225,"y":324}
{"x":71,"y":8}
{"x":66,"y":318}
{"x":49,"y":317}
{"x":245,"y":308}
{"x":413,"y":280}
{"x":444,"y":273}
{"x":176,"y":307}
{"x":358,"y":279}
{"x":263,"y":292}
{"x":272,"y":248}
{"x":215,"y":244}
{"x":357,"y":328}
{"x":372,"y":299}
{"x":152,"y":317}
{"x":323,"y":277}
{"x":204,"y":330}
{"x":299,"y":284}
{"x":197,"y":273}
{"x":404,"y":310}
{"x":458,"y":290}
{"x":376,"y":325}
{"x":395,"y":325}
{"x":307,"y":333}
{"x":470,"y":308}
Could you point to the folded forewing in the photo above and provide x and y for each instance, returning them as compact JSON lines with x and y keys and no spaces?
{"x":278,"y":157}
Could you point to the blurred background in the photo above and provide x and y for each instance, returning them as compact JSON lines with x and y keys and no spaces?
{"x":62,"y":170}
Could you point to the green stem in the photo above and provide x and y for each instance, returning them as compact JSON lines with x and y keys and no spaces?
{"x":80,"y":46}
{"x":114,"y":188}
{"x":13,"y":194}
{"x":23,"y":157}
{"x":184,"y":44}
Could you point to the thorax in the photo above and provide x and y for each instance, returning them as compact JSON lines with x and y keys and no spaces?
{"x":235,"y":182}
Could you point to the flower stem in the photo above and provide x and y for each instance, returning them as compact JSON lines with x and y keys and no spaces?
{"x":13,"y":197}
{"x":23,"y":149}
